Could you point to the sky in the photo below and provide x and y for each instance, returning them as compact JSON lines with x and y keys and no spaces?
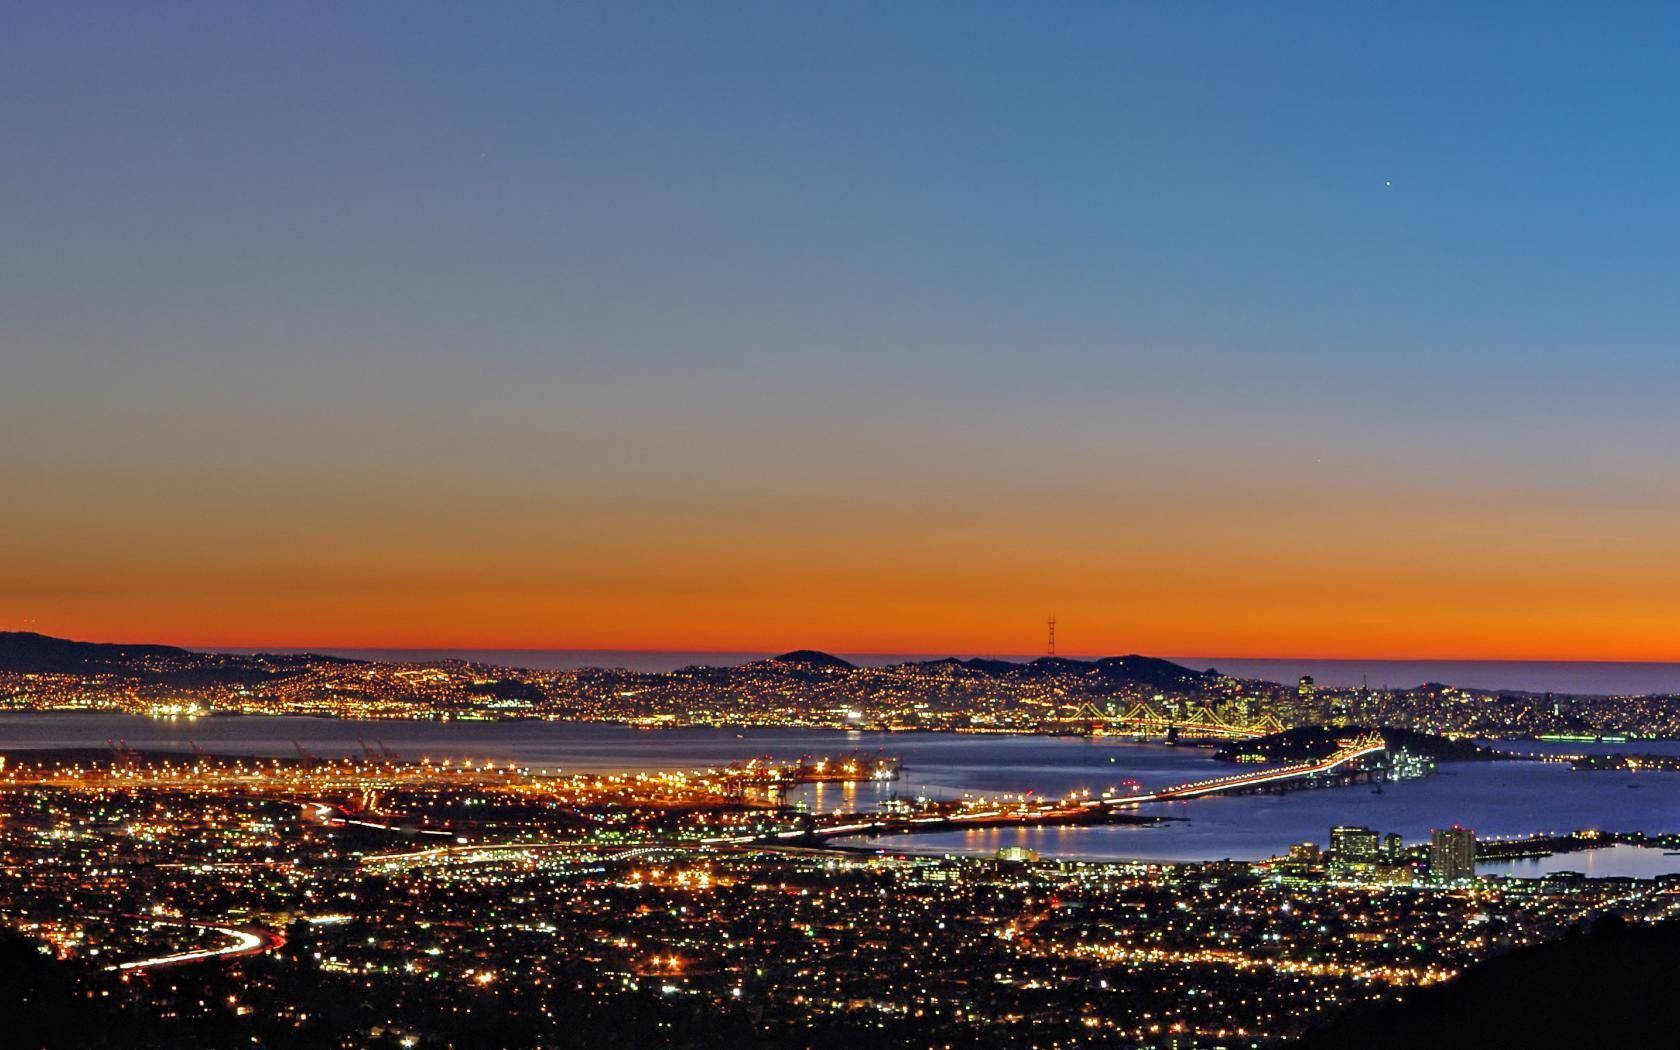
{"x":1318,"y":330}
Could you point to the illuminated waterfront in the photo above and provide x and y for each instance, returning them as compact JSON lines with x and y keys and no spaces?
{"x":1502,"y":799}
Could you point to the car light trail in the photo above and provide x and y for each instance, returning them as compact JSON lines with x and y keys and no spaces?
{"x":242,"y":942}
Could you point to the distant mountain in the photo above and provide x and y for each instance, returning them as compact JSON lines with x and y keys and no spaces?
{"x":811,"y":660}
{"x":1151,"y":670}
{"x":1059,"y":665}
{"x":985,"y":665}
{"x":25,"y":652}
{"x":1148,"y":671}
{"x":978,"y":665}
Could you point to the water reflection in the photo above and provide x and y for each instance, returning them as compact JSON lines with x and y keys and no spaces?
{"x":1618,"y":861}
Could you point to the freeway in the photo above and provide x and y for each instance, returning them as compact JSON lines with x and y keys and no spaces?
{"x":481,"y":851}
{"x":242,"y":941}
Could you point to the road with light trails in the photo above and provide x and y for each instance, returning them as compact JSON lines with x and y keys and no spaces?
{"x":474,"y":852}
{"x":242,"y":941}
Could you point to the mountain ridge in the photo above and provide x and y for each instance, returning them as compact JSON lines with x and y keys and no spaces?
{"x":29,"y":652}
{"x":32,"y":652}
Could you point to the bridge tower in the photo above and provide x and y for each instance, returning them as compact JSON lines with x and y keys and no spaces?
{"x":1051,"y":623}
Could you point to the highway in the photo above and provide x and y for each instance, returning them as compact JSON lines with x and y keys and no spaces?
{"x":240,"y":942}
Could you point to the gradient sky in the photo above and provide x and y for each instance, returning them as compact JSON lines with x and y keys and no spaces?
{"x":1295,"y":330}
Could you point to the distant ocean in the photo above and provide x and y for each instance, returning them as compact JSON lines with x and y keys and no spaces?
{"x":1557,"y":676}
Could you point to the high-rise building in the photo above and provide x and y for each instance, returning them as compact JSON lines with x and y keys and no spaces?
{"x":1452,"y":854}
{"x":1303,"y":866}
{"x":1247,"y":707}
{"x":1355,"y":852}
{"x":1303,"y":706}
{"x":1306,"y":854}
{"x":1394,"y":848}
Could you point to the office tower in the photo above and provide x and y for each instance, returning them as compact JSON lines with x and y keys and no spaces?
{"x":1452,"y":854}
{"x":1354,"y":852}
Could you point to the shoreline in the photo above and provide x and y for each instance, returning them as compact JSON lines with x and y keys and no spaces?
{"x":444,"y":718}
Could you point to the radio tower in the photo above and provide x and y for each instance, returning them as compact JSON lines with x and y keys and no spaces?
{"x":1051,"y":623}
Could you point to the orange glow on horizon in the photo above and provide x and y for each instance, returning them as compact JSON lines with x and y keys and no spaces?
{"x":1401,"y":626}
{"x":1393,"y":568}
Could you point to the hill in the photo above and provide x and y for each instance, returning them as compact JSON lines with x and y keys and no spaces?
{"x":811,"y":659}
{"x":29,"y":652}
{"x":1133,"y":669}
{"x":25,"y":652}
{"x":1607,"y":987}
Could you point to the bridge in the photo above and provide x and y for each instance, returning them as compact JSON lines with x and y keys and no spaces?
{"x":1200,"y":722}
{"x":1352,"y":757}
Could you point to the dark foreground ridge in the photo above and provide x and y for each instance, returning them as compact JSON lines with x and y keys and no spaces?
{"x":1611,"y":986}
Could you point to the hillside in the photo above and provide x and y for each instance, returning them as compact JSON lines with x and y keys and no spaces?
{"x":1603,"y":988}
{"x":28,"y":652}
{"x":1132,"y":669}
{"x":25,"y":652}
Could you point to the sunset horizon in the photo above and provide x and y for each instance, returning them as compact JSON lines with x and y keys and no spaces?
{"x":1019,"y":652}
